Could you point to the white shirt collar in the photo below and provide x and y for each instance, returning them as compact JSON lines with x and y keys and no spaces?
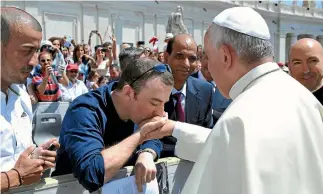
{"x":183,"y":90}
{"x":70,"y":83}
{"x":253,"y":74}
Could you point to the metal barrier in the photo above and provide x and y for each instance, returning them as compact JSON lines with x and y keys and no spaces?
{"x":47,"y":120}
{"x":177,"y":173}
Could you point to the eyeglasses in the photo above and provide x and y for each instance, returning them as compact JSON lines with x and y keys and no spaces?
{"x":161,"y":68}
{"x":44,"y":60}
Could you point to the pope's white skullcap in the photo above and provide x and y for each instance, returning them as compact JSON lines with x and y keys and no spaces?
{"x":244,"y":20}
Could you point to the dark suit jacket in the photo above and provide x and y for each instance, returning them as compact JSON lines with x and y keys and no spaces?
{"x":196,"y":75}
{"x":198,"y":108}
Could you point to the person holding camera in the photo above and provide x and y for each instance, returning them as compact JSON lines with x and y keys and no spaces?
{"x":58,"y":65}
{"x":85,"y":62}
{"x":101,"y":65}
{"x":90,"y":36}
{"x":53,"y":47}
{"x":46,"y":81}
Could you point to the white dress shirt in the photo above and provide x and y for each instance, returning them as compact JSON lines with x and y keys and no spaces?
{"x":183,"y":95}
{"x":71,"y":91}
{"x":16,"y":126}
{"x":268,"y":141}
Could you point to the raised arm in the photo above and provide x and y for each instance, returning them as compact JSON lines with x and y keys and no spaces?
{"x":100,"y":37}
{"x":40,"y":82}
{"x":114,"y":47}
{"x":90,"y":36}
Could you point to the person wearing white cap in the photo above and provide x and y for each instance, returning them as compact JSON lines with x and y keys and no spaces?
{"x":270,"y":139}
{"x":167,"y":38}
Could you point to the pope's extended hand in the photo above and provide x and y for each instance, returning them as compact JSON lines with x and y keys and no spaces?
{"x":150,"y":125}
{"x":165,"y":130}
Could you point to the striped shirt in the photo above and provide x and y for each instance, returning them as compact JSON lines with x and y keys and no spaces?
{"x":52,"y":91}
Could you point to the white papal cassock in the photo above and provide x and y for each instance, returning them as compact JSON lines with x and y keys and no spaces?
{"x":268,"y":141}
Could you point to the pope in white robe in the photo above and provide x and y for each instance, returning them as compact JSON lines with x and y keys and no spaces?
{"x":268,"y":141}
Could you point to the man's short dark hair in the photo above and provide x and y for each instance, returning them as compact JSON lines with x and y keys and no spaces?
{"x":12,"y":18}
{"x":138,"y":68}
{"x":127,"y":55}
{"x":115,"y":66}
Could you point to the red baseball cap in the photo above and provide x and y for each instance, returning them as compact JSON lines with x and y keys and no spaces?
{"x":72,"y":67}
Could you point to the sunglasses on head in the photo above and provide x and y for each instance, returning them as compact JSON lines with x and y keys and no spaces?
{"x":44,"y":60}
{"x":161,"y":68}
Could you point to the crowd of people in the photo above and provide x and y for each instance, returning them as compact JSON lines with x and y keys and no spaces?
{"x":248,"y":126}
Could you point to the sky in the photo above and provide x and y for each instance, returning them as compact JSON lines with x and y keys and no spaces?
{"x":300,"y":3}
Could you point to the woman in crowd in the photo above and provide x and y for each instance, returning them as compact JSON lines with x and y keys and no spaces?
{"x":56,"y":42}
{"x":87,"y":49}
{"x":147,"y":51}
{"x":83,"y":61}
{"x":161,"y":57}
{"x":67,"y":56}
{"x":92,"y":80}
{"x":47,"y":89}
{"x":101,"y":65}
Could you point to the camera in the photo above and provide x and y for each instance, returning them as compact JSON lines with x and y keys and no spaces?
{"x":84,"y":60}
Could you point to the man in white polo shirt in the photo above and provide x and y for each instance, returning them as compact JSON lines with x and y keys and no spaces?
{"x":20,"y":38}
{"x":75,"y":87}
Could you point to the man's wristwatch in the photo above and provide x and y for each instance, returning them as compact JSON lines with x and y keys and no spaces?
{"x":147,"y":150}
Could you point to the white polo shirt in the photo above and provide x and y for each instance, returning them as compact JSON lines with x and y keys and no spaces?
{"x":16,"y":126}
{"x":71,"y":91}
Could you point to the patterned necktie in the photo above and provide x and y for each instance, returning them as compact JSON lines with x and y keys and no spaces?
{"x":179,"y":108}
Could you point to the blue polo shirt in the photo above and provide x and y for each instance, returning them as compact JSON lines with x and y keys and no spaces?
{"x":91,"y":123}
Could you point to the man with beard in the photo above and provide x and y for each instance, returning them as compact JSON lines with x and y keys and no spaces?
{"x":20,"y":40}
{"x":306,"y":65}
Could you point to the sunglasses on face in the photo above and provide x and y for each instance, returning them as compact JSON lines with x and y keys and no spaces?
{"x":44,"y":60}
{"x":161,"y":68}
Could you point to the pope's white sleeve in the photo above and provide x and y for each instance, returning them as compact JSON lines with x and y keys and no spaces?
{"x":190,"y":140}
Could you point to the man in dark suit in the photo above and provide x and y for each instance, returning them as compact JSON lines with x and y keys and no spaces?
{"x":191,"y":98}
{"x":220,"y":103}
